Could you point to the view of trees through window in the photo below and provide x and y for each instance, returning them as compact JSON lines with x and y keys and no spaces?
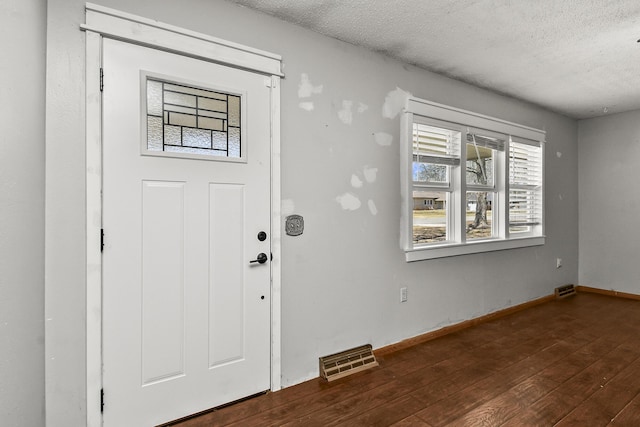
{"x":470,"y":183}
{"x":430,"y":208}
{"x":427,"y":172}
{"x":479,"y":173}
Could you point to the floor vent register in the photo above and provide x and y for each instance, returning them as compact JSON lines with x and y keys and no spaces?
{"x":565,"y":291}
{"x":348,"y":362}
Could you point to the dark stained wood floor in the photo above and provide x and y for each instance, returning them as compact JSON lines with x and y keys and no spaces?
{"x":569,"y":362}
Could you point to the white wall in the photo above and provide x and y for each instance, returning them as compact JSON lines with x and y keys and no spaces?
{"x":22,"y":43}
{"x":341,"y":278}
{"x":609,"y":204}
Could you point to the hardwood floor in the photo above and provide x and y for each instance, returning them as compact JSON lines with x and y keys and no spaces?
{"x":569,"y":362}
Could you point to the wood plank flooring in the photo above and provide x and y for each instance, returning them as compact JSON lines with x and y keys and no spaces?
{"x":569,"y":362}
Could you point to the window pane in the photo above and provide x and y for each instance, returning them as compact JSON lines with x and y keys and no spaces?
{"x":190,"y":120}
{"x":524,"y":210}
{"x":208,"y":123}
{"x":234,"y":111}
{"x":435,"y":150}
{"x":219,"y":140}
{"x":234,"y":142}
{"x":154,"y":133}
{"x":197,"y":138}
{"x":184,"y":120}
{"x":525,"y":165}
{"x":428,"y":172}
{"x":172,"y":135}
{"x":179,"y":99}
{"x":431,"y":140}
{"x":479,"y":165}
{"x":429,"y":217}
{"x":154,"y":98}
{"x":479,"y":215}
{"x":525,"y":191}
{"x":212,"y":104}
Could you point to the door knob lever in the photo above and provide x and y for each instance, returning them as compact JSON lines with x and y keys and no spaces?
{"x":260,"y":259}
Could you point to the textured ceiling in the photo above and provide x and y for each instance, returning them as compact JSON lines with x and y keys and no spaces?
{"x":577,"y":57}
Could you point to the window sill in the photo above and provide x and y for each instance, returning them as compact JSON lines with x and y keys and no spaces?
{"x":449,"y":250}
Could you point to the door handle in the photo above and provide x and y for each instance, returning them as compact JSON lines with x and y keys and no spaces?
{"x":261,"y":258}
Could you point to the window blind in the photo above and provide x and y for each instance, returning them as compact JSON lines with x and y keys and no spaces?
{"x":435,"y":145}
{"x":485,"y":141}
{"x":525,"y":184}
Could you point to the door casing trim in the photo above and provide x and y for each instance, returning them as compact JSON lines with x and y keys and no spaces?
{"x":103,"y":23}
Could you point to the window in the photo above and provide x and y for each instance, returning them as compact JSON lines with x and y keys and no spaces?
{"x":525,"y":182}
{"x":470,"y":183}
{"x":188,"y":121}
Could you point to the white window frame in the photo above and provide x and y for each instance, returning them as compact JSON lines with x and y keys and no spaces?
{"x":427,"y":112}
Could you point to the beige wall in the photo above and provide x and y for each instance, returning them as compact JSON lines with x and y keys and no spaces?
{"x":341,"y":278}
{"x":22,"y":90}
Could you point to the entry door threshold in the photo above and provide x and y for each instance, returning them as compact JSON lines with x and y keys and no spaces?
{"x":217,"y":408}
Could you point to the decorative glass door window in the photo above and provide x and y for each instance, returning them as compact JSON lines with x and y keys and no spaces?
{"x":187,"y":120}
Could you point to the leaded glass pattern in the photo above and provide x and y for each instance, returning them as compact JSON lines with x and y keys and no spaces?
{"x":190,"y":120}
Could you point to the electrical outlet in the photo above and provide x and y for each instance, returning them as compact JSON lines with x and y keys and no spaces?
{"x":403,"y":294}
{"x":558,"y":262}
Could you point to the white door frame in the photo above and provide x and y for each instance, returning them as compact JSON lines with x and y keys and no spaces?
{"x":103,"y":22}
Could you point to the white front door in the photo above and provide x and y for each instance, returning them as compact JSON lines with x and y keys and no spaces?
{"x":186,"y":208}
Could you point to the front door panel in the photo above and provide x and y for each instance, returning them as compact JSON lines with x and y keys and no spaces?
{"x":186,"y":190}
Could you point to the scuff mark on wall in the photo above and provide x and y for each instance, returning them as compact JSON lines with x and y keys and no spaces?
{"x":558,"y":154}
{"x":349,"y":202}
{"x":372,"y":207}
{"x":306,"y":89}
{"x":394,"y":102}
{"x":370,"y":174}
{"x":307,"y":106}
{"x":383,"y":139}
{"x":346,"y":115}
{"x":362,"y":107}
{"x":355,"y":181}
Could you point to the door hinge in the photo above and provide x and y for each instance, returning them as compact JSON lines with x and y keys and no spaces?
{"x":101,"y":400}
{"x":102,"y":240}
{"x":101,"y":79}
